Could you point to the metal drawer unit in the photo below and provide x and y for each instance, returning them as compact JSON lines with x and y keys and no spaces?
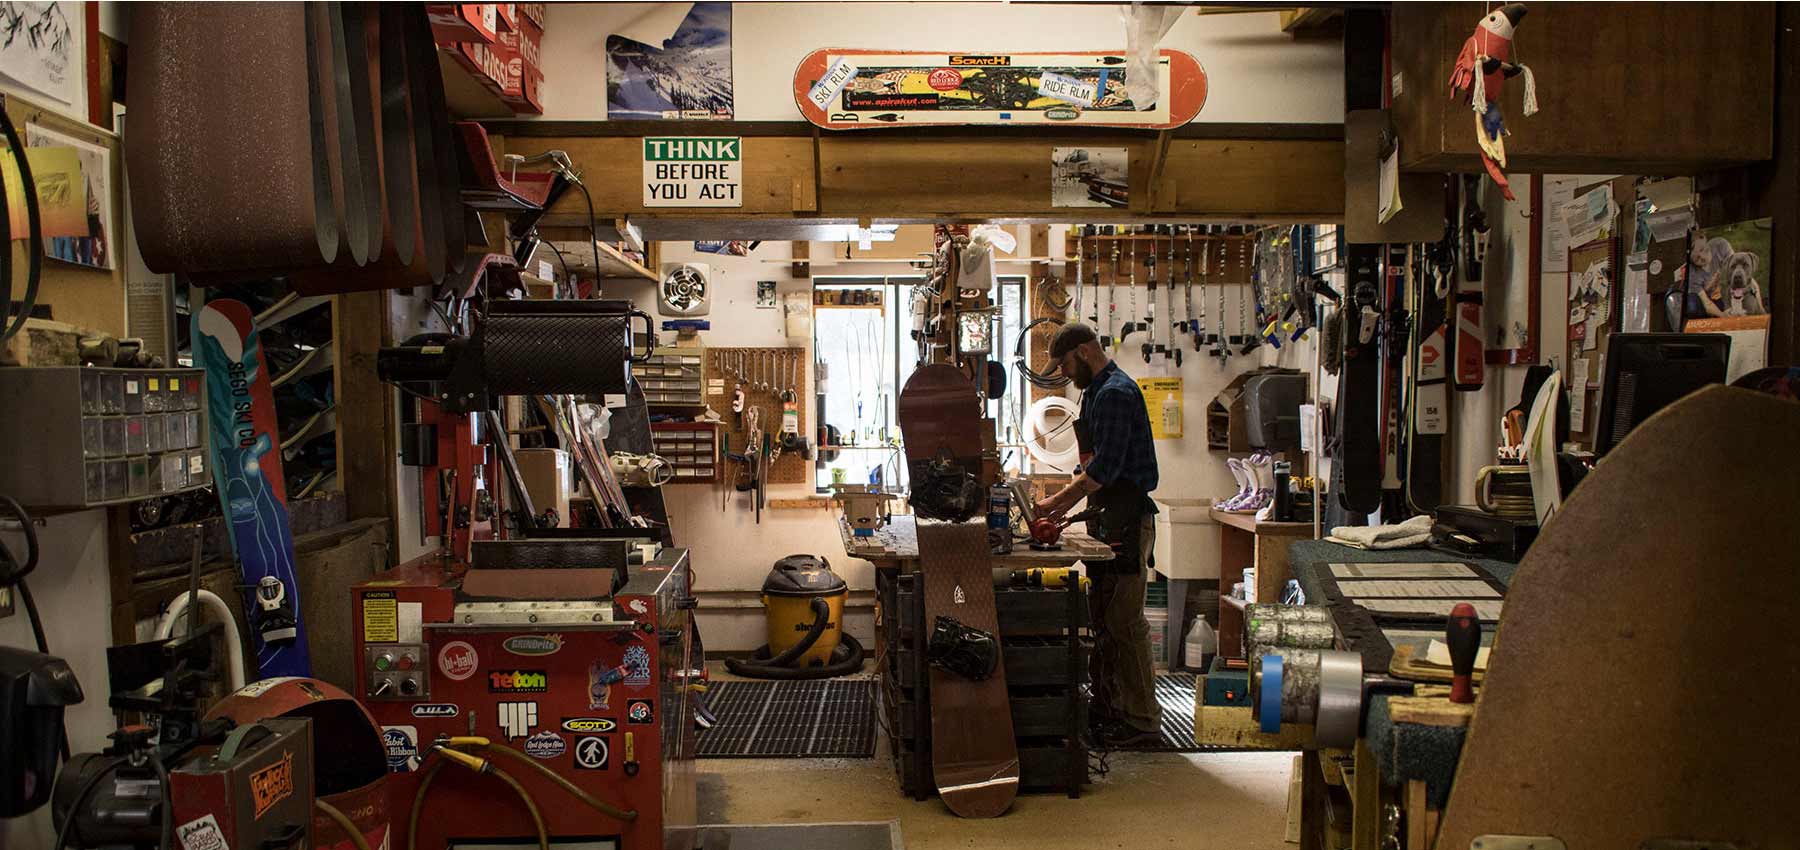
{"x":671,"y":378}
{"x":77,"y":436}
{"x":691,"y":447}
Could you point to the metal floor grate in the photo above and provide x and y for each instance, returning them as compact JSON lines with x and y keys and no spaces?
{"x":834,"y":718}
{"x":1175,"y":693}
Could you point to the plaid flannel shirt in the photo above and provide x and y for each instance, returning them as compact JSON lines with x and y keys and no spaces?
{"x":1119,"y":426}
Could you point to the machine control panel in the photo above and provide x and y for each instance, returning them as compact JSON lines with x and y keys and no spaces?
{"x":396,"y":671}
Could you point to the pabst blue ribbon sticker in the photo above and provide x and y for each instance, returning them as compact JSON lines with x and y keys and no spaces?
{"x":402,"y":743}
{"x":545,"y":745}
{"x":458,"y":661}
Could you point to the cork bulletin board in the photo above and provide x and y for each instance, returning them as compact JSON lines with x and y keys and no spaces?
{"x":760,"y":366}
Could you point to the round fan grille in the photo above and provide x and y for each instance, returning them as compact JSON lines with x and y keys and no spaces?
{"x":684,"y":290}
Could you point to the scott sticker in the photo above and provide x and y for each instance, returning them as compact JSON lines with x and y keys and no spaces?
{"x":640,"y":712}
{"x":435,"y":709}
{"x":545,"y":745}
{"x":588,"y":724}
{"x":402,"y":743}
{"x":458,"y":661}
{"x":201,"y":834}
{"x":533,"y":645}
{"x":591,"y":753}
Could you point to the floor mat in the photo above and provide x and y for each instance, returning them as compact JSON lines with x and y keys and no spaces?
{"x":820,"y":836}
{"x":1175,"y":693}
{"x":834,"y":718}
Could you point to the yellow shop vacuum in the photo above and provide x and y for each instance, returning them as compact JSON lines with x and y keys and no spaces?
{"x":803,"y":601}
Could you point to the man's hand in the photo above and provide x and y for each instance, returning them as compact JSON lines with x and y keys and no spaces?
{"x":1059,"y":504}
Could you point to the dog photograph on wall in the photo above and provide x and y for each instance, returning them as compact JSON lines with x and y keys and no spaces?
{"x":1725,"y":270}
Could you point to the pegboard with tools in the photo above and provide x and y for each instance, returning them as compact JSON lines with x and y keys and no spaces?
{"x":766,"y":376}
{"x":1166,"y":288}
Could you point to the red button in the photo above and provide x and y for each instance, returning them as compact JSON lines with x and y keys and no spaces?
{"x":406,"y":662}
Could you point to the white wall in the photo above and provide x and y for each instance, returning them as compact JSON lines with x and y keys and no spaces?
{"x":1255,"y":72}
{"x":74,"y":596}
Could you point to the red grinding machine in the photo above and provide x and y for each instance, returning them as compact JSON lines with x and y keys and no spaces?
{"x":532,"y":683}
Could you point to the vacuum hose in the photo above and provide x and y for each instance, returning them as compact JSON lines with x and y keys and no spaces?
{"x":845,"y":659}
{"x":343,"y":822}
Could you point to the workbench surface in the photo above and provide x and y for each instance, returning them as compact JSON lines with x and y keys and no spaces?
{"x":897,"y":545}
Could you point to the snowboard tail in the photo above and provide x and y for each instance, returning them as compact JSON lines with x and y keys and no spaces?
{"x":974,"y":756}
{"x":247,"y":471}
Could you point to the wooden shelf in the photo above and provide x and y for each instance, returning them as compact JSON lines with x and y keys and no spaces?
{"x":614,"y":265}
{"x":1227,"y":599}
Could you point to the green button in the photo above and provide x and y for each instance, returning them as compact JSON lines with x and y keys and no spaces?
{"x":383,"y":662}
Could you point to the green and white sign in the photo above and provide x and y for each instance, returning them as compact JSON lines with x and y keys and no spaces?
{"x":693,"y":171}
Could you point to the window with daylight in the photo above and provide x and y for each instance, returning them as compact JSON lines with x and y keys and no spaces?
{"x":863,"y":345}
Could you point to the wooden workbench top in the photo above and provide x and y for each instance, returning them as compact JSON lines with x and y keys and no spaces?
{"x":1248,"y":522}
{"x":897,"y":545}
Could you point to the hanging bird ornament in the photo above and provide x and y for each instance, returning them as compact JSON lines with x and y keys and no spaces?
{"x":1483,"y":67}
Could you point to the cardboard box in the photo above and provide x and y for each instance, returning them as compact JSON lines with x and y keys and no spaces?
{"x":520,"y":88}
{"x":486,"y":63}
{"x":533,"y":12}
{"x":453,"y":23}
{"x":548,"y":478}
{"x":507,"y":16}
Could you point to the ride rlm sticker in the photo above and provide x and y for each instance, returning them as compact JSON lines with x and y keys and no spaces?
{"x":1067,"y":89}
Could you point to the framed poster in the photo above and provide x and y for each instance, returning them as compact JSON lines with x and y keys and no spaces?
{"x":687,"y":77}
{"x":93,"y":244}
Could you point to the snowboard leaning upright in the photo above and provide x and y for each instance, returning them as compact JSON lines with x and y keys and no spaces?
{"x":974,"y":757}
{"x":246,"y":463}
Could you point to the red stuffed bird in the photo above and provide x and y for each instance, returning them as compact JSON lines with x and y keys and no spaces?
{"x":1490,"y":48}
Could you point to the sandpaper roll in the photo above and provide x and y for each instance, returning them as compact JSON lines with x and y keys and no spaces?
{"x":359,"y":185}
{"x":201,"y":149}
{"x":422,"y":74}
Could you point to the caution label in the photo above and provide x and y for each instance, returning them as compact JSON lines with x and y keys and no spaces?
{"x":380,"y":617}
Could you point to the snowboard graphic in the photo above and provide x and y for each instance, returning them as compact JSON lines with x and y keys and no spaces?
{"x":246,"y":462}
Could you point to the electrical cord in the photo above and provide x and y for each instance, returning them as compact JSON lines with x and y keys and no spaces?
{"x":81,"y":795}
{"x":35,"y":251}
{"x":593,"y":233}
{"x":1041,"y":380}
{"x":338,"y":817}
{"x":13,"y":573}
{"x":479,"y":766}
{"x":167,"y":838}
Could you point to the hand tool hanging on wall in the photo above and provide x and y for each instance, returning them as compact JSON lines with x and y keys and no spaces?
{"x":1246,"y":333}
{"x":1197,"y":320}
{"x":1149,"y":346}
{"x":1113,"y":307}
{"x":1187,"y":279}
{"x":1132,"y":325}
{"x":1089,"y":233}
{"x":1222,"y":343}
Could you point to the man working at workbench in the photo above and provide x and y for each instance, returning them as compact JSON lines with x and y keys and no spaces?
{"x":1116,"y":476}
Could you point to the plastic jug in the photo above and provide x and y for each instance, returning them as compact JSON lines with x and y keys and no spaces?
{"x":1201,"y":643}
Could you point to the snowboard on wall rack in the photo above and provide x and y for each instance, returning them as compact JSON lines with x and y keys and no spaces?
{"x":849,"y":89}
{"x":974,"y":756}
{"x":247,"y":471}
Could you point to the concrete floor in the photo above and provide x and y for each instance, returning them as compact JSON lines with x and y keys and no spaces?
{"x":1199,"y":800}
{"x":1223,"y":800}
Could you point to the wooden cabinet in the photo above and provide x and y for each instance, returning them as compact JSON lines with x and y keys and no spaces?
{"x":1633,"y":88}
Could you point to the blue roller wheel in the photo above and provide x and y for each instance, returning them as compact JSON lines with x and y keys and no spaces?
{"x":1268,"y":710}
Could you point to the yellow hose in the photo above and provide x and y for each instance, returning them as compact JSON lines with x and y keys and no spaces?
{"x":468,"y":761}
{"x":331,"y":811}
{"x":530,"y":806}
{"x":575,"y":791}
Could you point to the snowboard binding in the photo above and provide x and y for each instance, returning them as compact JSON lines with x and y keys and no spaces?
{"x":943,"y":489}
{"x":963,"y":650}
{"x":275,"y":619}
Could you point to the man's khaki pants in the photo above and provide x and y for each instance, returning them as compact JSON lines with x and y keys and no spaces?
{"x":1120,"y":669}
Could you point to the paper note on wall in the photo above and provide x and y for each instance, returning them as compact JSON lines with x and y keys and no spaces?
{"x":1162,"y":401}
